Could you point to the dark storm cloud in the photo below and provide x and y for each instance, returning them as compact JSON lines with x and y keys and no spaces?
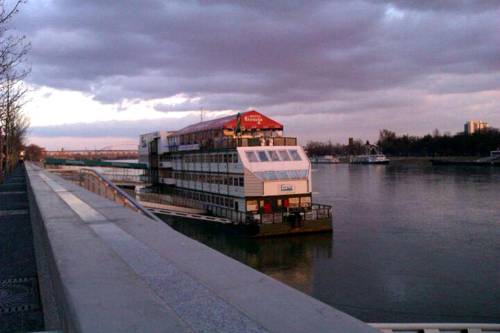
{"x":129,"y":128}
{"x":283,"y":57}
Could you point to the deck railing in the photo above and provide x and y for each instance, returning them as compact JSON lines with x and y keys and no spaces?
{"x":232,"y":143}
{"x":436,"y":328}
{"x":292,"y":216}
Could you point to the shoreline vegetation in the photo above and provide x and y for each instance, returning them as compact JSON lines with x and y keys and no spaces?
{"x":458,"y":147}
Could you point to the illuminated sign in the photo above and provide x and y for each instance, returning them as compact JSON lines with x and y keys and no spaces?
{"x":253,"y":118}
{"x":287,"y":188}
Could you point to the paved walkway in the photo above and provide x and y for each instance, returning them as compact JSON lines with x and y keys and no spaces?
{"x":20,"y":308}
{"x":113,"y":270}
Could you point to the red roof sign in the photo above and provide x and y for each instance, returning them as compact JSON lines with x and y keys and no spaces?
{"x":253,"y":120}
{"x":248,"y":120}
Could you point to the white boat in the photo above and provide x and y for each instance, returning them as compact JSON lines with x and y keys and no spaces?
{"x":370,"y":159}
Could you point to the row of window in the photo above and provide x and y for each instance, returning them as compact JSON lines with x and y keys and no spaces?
{"x":284,"y":155}
{"x":211,"y":199}
{"x":208,"y":158}
{"x":277,"y":204}
{"x":210,"y":178}
{"x":282,"y":174}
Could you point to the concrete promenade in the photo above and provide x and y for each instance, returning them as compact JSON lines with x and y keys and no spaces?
{"x":20,"y":308}
{"x":105,"y":268}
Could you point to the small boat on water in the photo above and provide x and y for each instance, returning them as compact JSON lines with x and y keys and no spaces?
{"x":325,"y":159}
{"x":370,"y":159}
{"x":372,"y":155}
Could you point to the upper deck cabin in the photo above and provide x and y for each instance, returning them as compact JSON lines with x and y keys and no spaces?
{"x":245,"y":129}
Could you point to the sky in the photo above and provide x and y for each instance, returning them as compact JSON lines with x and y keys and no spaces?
{"x":104,"y":71}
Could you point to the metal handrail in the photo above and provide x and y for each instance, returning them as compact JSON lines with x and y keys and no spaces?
{"x":121,"y":192}
{"x":435,"y":327}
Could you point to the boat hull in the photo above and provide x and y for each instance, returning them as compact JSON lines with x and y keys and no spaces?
{"x":282,"y":229}
{"x":374,"y":162}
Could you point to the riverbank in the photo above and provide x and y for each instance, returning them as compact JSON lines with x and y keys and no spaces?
{"x":426,"y":160}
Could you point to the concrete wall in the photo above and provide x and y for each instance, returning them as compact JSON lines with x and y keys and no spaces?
{"x":108,"y":269}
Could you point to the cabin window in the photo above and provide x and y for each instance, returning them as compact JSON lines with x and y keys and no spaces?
{"x":305,"y":201}
{"x":274,"y":155}
{"x":263,"y":156}
{"x":284,"y":155}
{"x":283,"y":174}
{"x":251,"y":156}
{"x":230,"y":158}
{"x":293,"y":202}
{"x":242,"y":182}
{"x":235,"y":158}
{"x":252,"y":206}
{"x":295,"y":155}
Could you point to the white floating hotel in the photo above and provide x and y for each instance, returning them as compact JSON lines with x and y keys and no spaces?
{"x":239,"y":167}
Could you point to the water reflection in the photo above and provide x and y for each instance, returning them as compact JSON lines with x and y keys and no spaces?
{"x":410,"y":244}
{"x":289,"y":259}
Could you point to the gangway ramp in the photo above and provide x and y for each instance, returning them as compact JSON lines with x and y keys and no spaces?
{"x":177,"y":211}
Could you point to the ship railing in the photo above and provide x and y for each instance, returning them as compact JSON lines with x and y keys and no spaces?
{"x":236,"y":217}
{"x":233,"y":143}
{"x":115,"y":177}
{"x":312,"y":213}
{"x":295,"y":215}
{"x":436,"y":327}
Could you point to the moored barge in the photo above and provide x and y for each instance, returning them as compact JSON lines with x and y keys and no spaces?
{"x":238,"y":167}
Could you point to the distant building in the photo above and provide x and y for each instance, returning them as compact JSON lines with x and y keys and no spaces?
{"x":473,"y":126}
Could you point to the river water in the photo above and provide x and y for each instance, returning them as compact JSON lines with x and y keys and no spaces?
{"x":410,"y":244}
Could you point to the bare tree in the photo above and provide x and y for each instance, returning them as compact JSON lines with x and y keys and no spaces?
{"x":34,"y":153}
{"x":13,"y":123}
